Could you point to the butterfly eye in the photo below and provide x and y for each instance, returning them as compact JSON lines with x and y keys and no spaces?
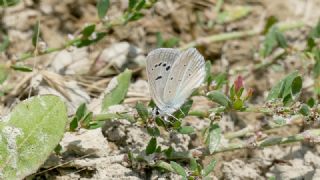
{"x":157,"y":112}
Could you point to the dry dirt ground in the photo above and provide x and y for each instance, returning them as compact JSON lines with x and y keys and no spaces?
{"x":85,"y":77}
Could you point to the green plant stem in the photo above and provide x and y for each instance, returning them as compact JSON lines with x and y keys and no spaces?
{"x":296,"y":119}
{"x":219,"y":38}
{"x":111,"y":116}
{"x":272,"y":141}
{"x":239,"y":34}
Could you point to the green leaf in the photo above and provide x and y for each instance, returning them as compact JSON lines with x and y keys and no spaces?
{"x":171,"y":42}
{"x":193,"y":164}
{"x":160,"y":40}
{"x":36,"y":34}
{"x":140,"y":5}
{"x":281,"y":39}
{"x":274,"y":38}
{"x":178,"y":169}
{"x":213,"y":137}
{"x":81,"y":111}
{"x":5,"y":42}
{"x":6,"y":3}
{"x":88,"y":30}
{"x":86,"y":42}
{"x":164,"y":165}
{"x":153,"y":131}
{"x":117,"y":90}
{"x":208,"y":77}
{"x":311,"y":102}
{"x":142,"y":111}
{"x":152,"y":146}
{"x":209,"y":168}
{"x":315,"y":32}
{"x":135,"y":16}
{"x":220,"y":79}
{"x":132,"y":4}
{"x":219,"y":98}
{"x":316,"y":68}
{"x":184,"y":109}
{"x":186,"y":130}
{"x":296,"y":85}
{"x":304,"y":110}
{"x":29,"y":134}
{"x":21,"y":68}
{"x":73,"y":124}
{"x":290,"y":85}
{"x":269,"y":43}
{"x":4,"y":73}
{"x":102,"y":8}
{"x":272,"y":20}
{"x":86,"y":121}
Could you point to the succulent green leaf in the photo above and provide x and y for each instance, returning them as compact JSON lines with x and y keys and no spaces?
{"x":117,"y":90}
{"x":29,"y":134}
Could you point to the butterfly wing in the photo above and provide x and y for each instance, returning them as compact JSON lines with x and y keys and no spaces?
{"x":188,"y":73}
{"x":159,"y":65}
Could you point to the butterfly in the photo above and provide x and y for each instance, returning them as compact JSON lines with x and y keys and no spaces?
{"x":173,"y":75}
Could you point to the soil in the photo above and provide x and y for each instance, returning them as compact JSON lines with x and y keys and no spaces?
{"x":100,"y":153}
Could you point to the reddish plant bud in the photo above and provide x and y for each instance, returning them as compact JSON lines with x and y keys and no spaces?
{"x":238,"y":83}
{"x":249,"y":93}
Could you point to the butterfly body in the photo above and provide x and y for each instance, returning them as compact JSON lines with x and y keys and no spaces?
{"x":173,"y":75}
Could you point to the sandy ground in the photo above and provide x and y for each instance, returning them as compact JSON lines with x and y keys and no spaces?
{"x":100,"y":153}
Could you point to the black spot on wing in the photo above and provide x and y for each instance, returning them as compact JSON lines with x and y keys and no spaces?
{"x":159,"y":77}
{"x":167,"y":68}
{"x":171,"y":78}
{"x":164,"y":65}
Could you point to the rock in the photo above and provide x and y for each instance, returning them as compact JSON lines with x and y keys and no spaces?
{"x":85,"y":142}
{"x":119,"y":53}
{"x":179,"y":142}
{"x":312,"y":159}
{"x":238,"y":170}
{"x":75,"y":61}
{"x":296,"y":169}
{"x":73,"y":94}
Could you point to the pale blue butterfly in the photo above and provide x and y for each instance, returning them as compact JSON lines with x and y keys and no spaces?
{"x":173,"y":76}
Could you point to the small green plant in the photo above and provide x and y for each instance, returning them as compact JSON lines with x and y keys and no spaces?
{"x":35,"y":126}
